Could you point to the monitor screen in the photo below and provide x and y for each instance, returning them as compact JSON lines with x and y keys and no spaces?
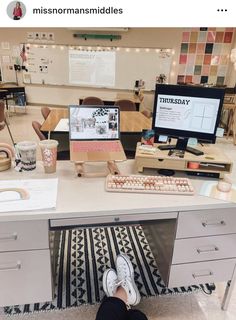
{"x":187,"y":111}
{"x":94,"y":122}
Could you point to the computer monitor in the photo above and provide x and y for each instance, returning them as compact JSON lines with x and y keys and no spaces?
{"x":184,"y":112}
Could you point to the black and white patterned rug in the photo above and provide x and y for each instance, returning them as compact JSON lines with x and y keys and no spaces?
{"x":83,"y":257}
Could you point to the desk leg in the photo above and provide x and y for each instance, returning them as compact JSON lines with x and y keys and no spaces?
{"x":228,"y":291}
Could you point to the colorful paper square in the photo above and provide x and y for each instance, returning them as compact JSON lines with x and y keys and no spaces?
{"x":182,"y":59}
{"x":189,"y":69}
{"x":220,"y":81}
{"x":219,"y":37}
{"x":193,"y":37}
{"x":199,"y":59}
{"x":180,"y":79}
{"x":217,"y":48}
{"x":207,"y":59}
{"x":228,"y":37}
{"x":182,"y":69}
{"x":189,"y":79}
{"x":204,"y":79}
{"x":184,"y":48}
{"x":209,"y":48}
{"x":191,"y":58}
{"x":222,"y":70}
{"x":226,"y":48}
{"x":215,"y":59}
{"x":211,"y":35}
{"x":213,"y":70}
{"x":212,"y":80}
{"x":224,"y":60}
{"x":192,"y":48}
{"x":185,"y":36}
{"x":205,"y":70}
{"x":202,"y":36}
{"x":201,"y":47}
{"x":196,"y":79}
{"x":197,"y":70}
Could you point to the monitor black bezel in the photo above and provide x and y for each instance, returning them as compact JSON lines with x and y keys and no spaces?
{"x":94,"y":106}
{"x":191,"y":91}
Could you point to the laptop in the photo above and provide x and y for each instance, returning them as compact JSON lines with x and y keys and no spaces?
{"x":94,"y":133}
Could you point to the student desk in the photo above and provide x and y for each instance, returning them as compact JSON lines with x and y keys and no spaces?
{"x":11,"y":90}
{"x":202,"y":224}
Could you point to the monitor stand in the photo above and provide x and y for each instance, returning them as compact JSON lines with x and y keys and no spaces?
{"x":182,"y":145}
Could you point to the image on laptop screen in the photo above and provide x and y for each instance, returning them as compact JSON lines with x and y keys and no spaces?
{"x":94,"y":122}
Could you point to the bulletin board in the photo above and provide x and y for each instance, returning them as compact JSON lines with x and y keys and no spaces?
{"x":105,"y":67}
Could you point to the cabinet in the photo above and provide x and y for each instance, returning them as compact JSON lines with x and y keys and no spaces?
{"x":25,"y":270}
{"x":196,"y":248}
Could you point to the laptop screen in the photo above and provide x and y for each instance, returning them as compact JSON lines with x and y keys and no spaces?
{"x":94,"y":122}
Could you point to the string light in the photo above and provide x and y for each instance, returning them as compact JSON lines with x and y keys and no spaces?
{"x":137,"y":50}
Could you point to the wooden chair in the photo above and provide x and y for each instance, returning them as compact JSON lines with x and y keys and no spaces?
{"x":92,"y":101}
{"x":146,"y":113}
{"x":61,"y":155}
{"x":45,"y":112}
{"x":37,"y":126}
{"x":125,"y":105}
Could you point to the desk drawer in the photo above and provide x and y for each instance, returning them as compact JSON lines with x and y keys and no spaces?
{"x":201,"y":272}
{"x":23,"y":235}
{"x":206,"y":223}
{"x":204,"y":248}
{"x":25,"y":277}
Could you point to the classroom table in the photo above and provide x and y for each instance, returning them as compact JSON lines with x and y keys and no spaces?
{"x":111,"y":98}
{"x":130,"y":121}
{"x":11,"y":90}
{"x":198,"y":221}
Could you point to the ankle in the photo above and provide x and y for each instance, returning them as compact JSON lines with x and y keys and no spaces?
{"x":121,"y":294}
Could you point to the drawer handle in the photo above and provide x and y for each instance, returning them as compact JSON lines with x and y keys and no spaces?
{"x":198,"y":275}
{"x":16,"y":266}
{"x":8,"y":237}
{"x":207,"y":249}
{"x":217,"y":223}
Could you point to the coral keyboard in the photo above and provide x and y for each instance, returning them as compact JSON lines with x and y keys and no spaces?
{"x":149,"y":184}
{"x":96,"y":146}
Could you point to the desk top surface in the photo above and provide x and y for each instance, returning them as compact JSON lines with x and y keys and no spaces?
{"x":87,"y":198}
{"x":130,"y":121}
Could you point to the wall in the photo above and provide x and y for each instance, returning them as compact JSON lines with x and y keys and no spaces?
{"x":134,"y":37}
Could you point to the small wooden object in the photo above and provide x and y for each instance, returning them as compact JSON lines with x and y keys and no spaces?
{"x":81,"y":172}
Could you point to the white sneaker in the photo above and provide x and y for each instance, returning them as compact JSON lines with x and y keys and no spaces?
{"x":125,"y":274}
{"x":109,"y":282}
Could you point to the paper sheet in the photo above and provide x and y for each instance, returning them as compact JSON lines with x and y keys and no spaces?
{"x":63,"y":125}
{"x":42,"y":194}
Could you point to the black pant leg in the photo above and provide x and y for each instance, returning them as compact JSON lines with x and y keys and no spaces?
{"x":136,"y":315}
{"x":112,"y":308}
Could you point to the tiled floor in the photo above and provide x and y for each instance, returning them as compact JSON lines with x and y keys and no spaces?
{"x":197,"y":306}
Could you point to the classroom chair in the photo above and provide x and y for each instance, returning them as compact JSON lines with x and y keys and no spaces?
{"x":37,"y":126}
{"x":147,"y":113}
{"x":93,"y":101}
{"x":3,"y":121}
{"x":61,"y":155}
{"x":45,"y":112}
{"x":125,"y":105}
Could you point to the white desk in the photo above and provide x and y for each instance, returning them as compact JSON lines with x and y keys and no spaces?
{"x":24,"y":236}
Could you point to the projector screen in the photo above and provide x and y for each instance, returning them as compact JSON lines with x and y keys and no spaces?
{"x":92,"y":68}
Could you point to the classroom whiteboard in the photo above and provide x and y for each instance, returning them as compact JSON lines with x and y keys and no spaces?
{"x":116,"y":68}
